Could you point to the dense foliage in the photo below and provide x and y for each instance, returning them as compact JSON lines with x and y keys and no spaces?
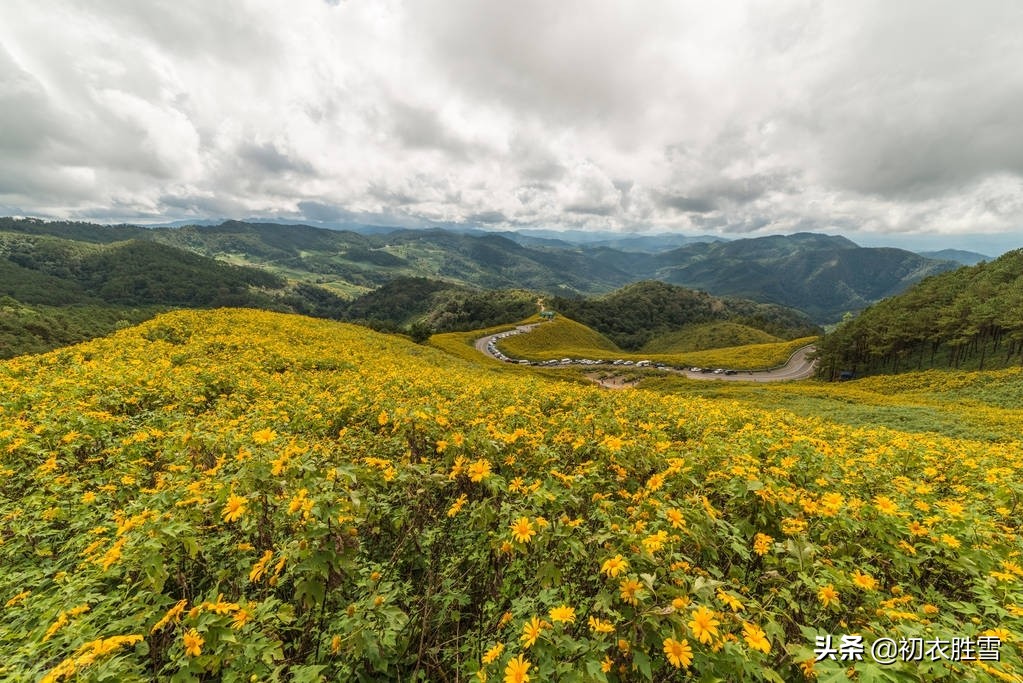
{"x":34,"y":329}
{"x":440,"y":306}
{"x":635,"y":314}
{"x":969,"y":318}
{"x":231,"y":494}
{"x":59,"y":291}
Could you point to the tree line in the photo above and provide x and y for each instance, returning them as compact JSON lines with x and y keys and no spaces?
{"x":970,"y":318}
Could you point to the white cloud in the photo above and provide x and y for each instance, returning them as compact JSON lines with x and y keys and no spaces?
{"x":754,"y":116}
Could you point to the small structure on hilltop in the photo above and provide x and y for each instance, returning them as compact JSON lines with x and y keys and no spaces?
{"x":547,"y":315}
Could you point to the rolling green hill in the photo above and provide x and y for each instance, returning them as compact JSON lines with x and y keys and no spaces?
{"x":345,"y":259}
{"x":638,"y":313}
{"x":61,"y":290}
{"x":438,"y":305}
{"x":557,"y":338}
{"x":37,"y":328}
{"x":822,"y":275}
{"x":708,"y":336}
{"x":971,"y":318}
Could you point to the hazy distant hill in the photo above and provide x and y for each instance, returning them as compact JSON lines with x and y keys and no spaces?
{"x":967,"y":258}
{"x":823,"y":275}
{"x":487,"y":260}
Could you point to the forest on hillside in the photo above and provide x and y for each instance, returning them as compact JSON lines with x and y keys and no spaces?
{"x":971,"y":318}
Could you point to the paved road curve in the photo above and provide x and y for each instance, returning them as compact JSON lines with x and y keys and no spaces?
{"x":797,"y":367}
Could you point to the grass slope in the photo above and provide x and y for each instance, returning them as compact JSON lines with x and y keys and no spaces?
{"x":985,"y":406}
{"x":549,"y":338}
{"x":236,"y":494}
{"x":708,"y":336}
{"x":563,"y":338}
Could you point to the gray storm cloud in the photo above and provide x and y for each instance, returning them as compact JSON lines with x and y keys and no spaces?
{"x":871,"y":118}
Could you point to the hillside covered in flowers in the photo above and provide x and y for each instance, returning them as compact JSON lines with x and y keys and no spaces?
{"x":241,"y":495}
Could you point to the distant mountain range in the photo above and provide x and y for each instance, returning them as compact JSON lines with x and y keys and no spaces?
{"x":824,"y":276}
{"x":967,"y":258}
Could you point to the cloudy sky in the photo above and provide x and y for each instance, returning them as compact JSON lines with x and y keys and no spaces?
{"x":869,"y":119}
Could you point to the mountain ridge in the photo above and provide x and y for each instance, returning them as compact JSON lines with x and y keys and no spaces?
{"x":823,"y":275}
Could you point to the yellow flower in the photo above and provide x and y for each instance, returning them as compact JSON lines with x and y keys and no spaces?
{"x":678,"y":652}
{"x":193,"y":643}
{"x":615,"y":566}
{"x":234,"y":509}
{"x":828,"y":595}
{"x":264,"y":436}
{"x":259,"y":568}
{"x":516,"y":670}
{"x":675,"y":517}
{"x":173,"y":614}
{"x":630,"y":589}
{"x":606,"y":664}
{"x":886,"y":505}
{"x":704,"y":625}
{"x":600,"y":626}
{"x":733,"y":602}
{"x":792,"y":526}
{"x":655,"y":542}
{"x":531,"y":630}
{"x":241,"y":617}
{"x":1002,"y":634}
{"x":457,"y":505}
{"x":681,"y":602}
{"x":522,"y":530}
{"x":864,"y":581}
{"x":950,"y":541}
{"x":918,"y":529}
{"x":493,"y":653}
{"x":807,"y":666}
{"x":563,"y":614}
{"x":756,"y":638}
{"x":479,"y":470}
{"x":17,"y":598}
{"x":762,"y":544}
{"x":88,"y":498}
{"x":1013,"y":567}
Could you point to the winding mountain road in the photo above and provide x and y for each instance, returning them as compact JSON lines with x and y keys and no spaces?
{"x":799,"y":366}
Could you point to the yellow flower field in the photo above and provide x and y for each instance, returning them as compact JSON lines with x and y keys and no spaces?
{"x":235,"y":494}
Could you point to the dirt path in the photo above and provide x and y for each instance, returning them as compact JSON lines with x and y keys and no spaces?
{"x":613,"y":382}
